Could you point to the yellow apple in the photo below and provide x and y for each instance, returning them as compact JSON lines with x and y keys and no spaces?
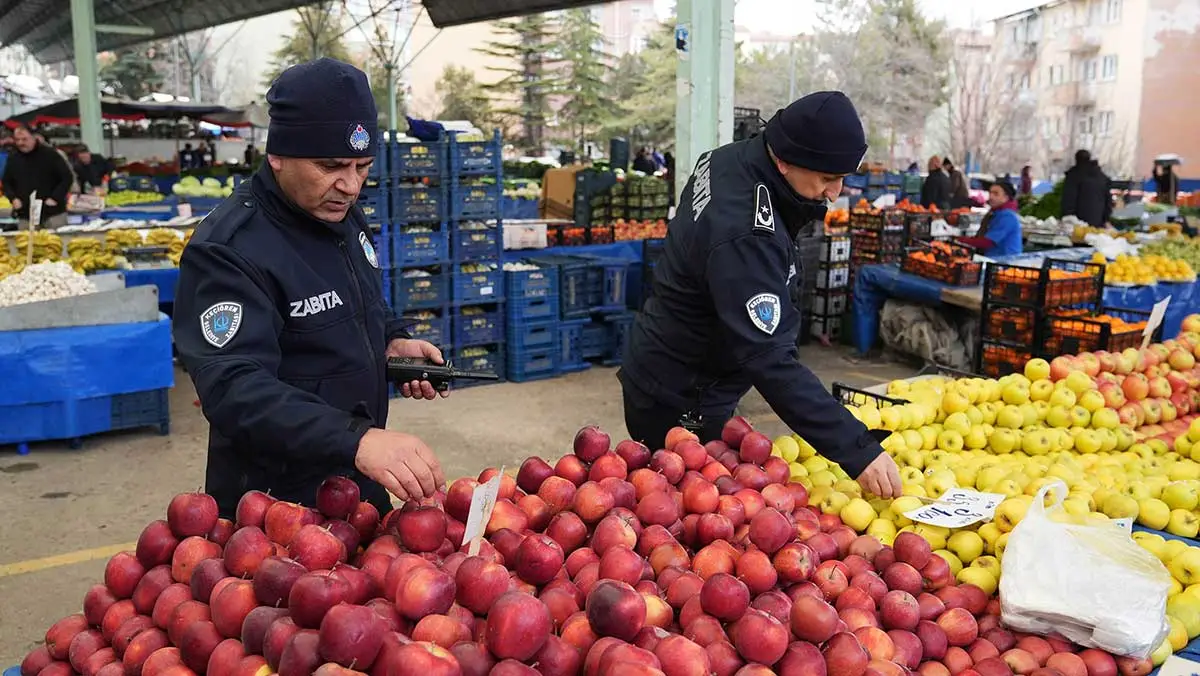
{"x":1063,"y":398}
{"x":1161,"y":653}
{"x":1058,"y":416}
{"x":848,"y":486}
{"x":1118,"y":506}
{"x":1080,"y":382}
{"x":912,"y":439}
{"x":797,"y":472}
{"x":1088,"y":441}
{"x":1106,"y":418}
{"x":1183,"y":523}
{"x":934,"y":535}
{"x":834,"y":502}
{"x":976,"y":439}
{"x":1193,"y":432}
{"x":1038,"y":443}
{"x":940,"y":481}
{"x":966,"y":545}
{"x":911,"y":475}
{"x":1080,"y":416}
{"x":1150,"y":542}
{"x":858,"y":514}
{"x":1178,"y":636}
{"x":1181,"y":495}
{"x":1153,"y":514}
{"x":882,"y":530}
{"x":1172,"y":549}
{"x":949,"y":440}
{"x":823,"y":478}
{"x":1041,"y":390}
{"x":980,"y":577}
{"x":786,"y":448}
{"x":1092,"y":400}
{"x":1037,"y":369}
{"x":1186,"y":609}
{"x":950,"y":559}
{"x":1015,"y":395}
{"x":914,"y":489}
{"x":957,"y":422}
{"x":954,"y":401}
{"x":1010,"y":512}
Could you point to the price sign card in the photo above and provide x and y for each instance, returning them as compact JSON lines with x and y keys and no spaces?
{"x":1156,"y":318}
{"x":958,"y":507}
{"x":483,"y":501}
{"x":1125,"y":524}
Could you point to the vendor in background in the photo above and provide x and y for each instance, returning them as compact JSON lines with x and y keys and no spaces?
{"x":960,"y":195}
{"x":643,"y":162}
{"x":36,"y":166}
{"x":1087,"y":193}
{"x":91,"y":169}
{"x":1166,"y":184}
{"x":935,"y":192}
{"x":280,"y":316}
{"x":1000,"y":232}
{"x":1026,"y":180}
{"x":728,"y":300}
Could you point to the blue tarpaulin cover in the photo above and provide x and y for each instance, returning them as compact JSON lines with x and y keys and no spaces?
{"x":52,"y":365}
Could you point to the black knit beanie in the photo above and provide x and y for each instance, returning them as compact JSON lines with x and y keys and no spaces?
{"x":820,"y":132}
{"x":322,"y":109}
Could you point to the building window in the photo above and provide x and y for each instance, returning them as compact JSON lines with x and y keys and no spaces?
{"x":1112,"y":11}
{"x":1108,"y":68}
{"x":1104,"y":123}
{"x":1025,"y":81}
{"x":1009,"y":81}
{"x":1087,"y":71}
{"x":1095,"y":12}
{"x":1057,"y":75}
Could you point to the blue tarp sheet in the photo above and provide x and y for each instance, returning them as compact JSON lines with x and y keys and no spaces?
{"x":630,"y":251}
{"x":51,"y":365}
{"x":166,"y":279}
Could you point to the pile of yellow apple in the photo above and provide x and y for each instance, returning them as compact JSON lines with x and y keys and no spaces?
{"x":1145,"y":270}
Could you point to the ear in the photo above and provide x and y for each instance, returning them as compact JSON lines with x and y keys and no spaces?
{"x":275,"y":161}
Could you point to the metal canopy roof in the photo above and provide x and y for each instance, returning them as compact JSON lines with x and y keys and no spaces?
{"x":445,"y":13}
{"x":44,"y":26}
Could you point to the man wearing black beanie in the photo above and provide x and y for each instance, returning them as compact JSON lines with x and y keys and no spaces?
{"x":280,"y":317}
{"x":725,"y":315}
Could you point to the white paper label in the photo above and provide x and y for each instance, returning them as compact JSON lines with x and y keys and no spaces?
{"x":35,"y":211}
{"x":1178,"y":666}
{"x":1125,"y":524}
{"x":485,"y":291}
{"x":483,"y":501}
{"x":958,"y":507}
{"x":1156,"y":317}
{"x":184,"y":209}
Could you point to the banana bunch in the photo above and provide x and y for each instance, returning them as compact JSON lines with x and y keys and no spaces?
{"x":163,"y":237}
{"x":10,"y":264}
{"x":88,"y":255}
{"x":472,"y":268}
{"x":175,"y":249}
{"x":115,"y":240}
{"x":47,"y":246}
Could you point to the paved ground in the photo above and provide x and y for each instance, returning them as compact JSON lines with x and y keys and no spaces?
{"x":65,"y":512}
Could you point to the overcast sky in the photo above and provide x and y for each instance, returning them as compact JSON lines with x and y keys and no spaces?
{"x":796,"y":16}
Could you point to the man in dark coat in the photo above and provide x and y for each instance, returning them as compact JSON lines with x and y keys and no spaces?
{"x":727,"y":308}
{"x":1086,"y":191}
{"x":935,"y":192}
{"x":37,"y":167}
{"x":280,"y":315}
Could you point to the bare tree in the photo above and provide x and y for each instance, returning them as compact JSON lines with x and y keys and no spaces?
{"x":387,"y":27}
{"x":990,"y":108}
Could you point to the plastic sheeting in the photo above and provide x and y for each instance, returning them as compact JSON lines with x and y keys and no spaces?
{"x":166,"y":279}
{"x":66,"y":364}
{"x":928,"y":332}
{"x":873,"y":286}
{"x":630,"y":251}
{"x":1185,"y":299}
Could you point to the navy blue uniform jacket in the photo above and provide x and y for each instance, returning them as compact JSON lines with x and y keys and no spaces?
{"x":281,"y":322}
{"x":725,"y":313}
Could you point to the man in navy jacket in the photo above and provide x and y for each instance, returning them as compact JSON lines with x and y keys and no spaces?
{"x":280,"y":316}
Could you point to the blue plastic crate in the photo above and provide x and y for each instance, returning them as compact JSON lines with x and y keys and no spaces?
{"x":876,"y":178}
{"x":893,"y":179}
{"x":77,"y":418}
{"x":524,"y":335}
{"x":575,"y":296}
{"x":478,"y":287}
{"x":485,"y":358}
{"x":858,"y":181}
{"x":417,"y":202}
{"x":417,"y":160}
{"x":431,"y":325}
{"x":487,"y":326}
{"x":517,"y":209}
{"x":533,"y":309}
{"x":617,"y":332}
{"x":541,"y":283}
{"x":379,"y":168}
{"x":606,"y":281}
{"x":570,"y":346}
{"x":374,"y":205}
{"x":409,"y":249}
{"x":474,"y":158}
{"x":476,"y":243}
{"x":532,"y":364}
{"x":474,"y":201}
{"x":594,"y":340}
{"x":419,"y":292}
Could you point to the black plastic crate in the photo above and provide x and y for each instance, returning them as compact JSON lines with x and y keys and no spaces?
{"x":1015,"y":325}
{"x":919,"y":226}
{"x":1057,"y":283}
{"x":829,"y":302}
{"x":852,"y":396}
{"x":1075,"y":332}
{"x":149,"y":408}
{"x":834,"y":249}
{"x":999,"y":359}
{"x":952,"y":264}
{"x":826,"y":326}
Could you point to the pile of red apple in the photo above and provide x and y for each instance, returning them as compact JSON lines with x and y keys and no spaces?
{"x":1155,"y":389}
{"x":697,"y":560}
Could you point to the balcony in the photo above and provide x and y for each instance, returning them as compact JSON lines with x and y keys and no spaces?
{"x":1022,"y":53}
{"x":1083,"y":40}
{"x":1074,"y":95}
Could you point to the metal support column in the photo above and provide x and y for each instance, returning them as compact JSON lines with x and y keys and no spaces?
{"x":704,"y":81}
{"x":83,"y":29}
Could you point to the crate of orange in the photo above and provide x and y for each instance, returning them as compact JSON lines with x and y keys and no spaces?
{"x":1000,"y":359}
{"x":866,"y":217}
{"x":1009,"y":324}
{"x":946,"y":262}
{"x":1056,"y":283}
{"x":1110,"y":329}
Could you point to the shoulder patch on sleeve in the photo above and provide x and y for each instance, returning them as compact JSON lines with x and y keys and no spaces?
{"x":764,"y":213}
{"x":220,"y":323}
{"x":764,"y":312}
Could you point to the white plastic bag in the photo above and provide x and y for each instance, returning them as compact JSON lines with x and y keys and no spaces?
{"x":1090,"y":584}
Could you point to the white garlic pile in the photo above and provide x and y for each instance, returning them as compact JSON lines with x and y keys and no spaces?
{"x":43,"y":281}
{"x":520,"y":267}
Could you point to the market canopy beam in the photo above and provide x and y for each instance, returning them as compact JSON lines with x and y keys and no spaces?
{"x":44,"y":26}
{"x":445,"y":13}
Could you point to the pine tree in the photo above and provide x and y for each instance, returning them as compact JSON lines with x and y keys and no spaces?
{"x":584,"y":70}
{"x":316,"y":32}
{"x":523,"y":94}
{"x":132,"y":73}
{"x":651,"y":106}
{"x":462,"y":97}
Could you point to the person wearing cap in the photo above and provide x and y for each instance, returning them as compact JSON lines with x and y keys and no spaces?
{"x":725,"y":312}
{"x":280,"y":316}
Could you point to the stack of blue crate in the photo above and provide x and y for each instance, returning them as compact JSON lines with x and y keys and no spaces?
{"x":593,"y":317}
{"x":473,"y":177}
{"x":533,"y":326}
{"x":417,"y":240}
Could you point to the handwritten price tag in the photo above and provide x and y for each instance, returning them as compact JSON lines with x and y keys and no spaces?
{"x":483,"y":501}
{"x":958,"y":507}
{"x":1125,"y":524}
{"x":1156,"y":318}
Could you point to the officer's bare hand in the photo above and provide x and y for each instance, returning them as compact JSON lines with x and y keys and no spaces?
{"x":400,"y":462}
{"x":881,"y":477}
{"x":417,"y":349}
{"x":50,"y":202}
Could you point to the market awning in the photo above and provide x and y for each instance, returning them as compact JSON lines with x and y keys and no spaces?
{"x":444,"y":13}
{"x":67,"y":112}
{"x":44,"y":26}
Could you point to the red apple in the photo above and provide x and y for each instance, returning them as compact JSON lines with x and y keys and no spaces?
{"x":192,"y":514}
{"x":156,"y":544}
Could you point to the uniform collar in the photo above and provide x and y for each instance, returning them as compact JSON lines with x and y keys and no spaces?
{"x":267,"y":190}
{"x":796,"y":211}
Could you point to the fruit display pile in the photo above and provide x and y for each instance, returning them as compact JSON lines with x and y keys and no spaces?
{"x":1145,"y":269}
{"x":691,"y":560}
{"x":626,"y":231}
{"x":124,"y":198}
{"x":1182,"y":248}
{"x":190,"y":186}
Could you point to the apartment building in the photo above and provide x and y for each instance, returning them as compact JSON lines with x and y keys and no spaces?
{"x":1116,"y":77}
